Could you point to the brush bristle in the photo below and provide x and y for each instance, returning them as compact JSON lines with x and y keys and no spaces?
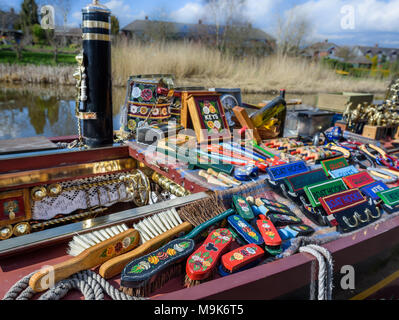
{"x":83,"y":242}
{"x":188,"y":282}
{"x":157,"y":224}
{"x":202,"y":211}
{"x":156,"y":283}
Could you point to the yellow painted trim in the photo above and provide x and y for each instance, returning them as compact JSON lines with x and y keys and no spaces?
{"x":378,"y":286}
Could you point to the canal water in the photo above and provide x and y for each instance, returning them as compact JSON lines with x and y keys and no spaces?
{"x":36,"y":110}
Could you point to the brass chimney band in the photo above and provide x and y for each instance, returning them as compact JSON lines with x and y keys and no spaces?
{"x":96,"y":36}
{"x":96,"y":24}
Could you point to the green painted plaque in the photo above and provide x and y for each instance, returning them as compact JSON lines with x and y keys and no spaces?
{"x":390,"y":196}
{"x":334,"y":164}
{"x":323,"y":189}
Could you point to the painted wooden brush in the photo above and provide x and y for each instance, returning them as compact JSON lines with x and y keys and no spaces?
{"x":89,"y":250}
{"x":270,"y":235}
{"x":245,"y":230}
{"x":171,"y":226}
{"x":154,"y":231}
{"x":236,"y":260}
{"x":145,"y":274}
{"x":202,"y":264}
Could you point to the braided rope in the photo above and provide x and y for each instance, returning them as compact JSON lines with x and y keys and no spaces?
{"x":325,"y":274}
{"x":89,"y":283}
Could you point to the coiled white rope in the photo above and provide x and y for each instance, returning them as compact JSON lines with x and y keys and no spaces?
{"x":325,"y":274}
{"x":88,"y":282}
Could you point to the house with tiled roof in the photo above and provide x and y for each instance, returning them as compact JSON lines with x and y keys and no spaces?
{"x":199,"y":32}
{"x":321,"y":50}
{"x":387,"y":54}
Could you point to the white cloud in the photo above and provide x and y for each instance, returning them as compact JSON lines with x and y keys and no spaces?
{"x":370,"y":15}
{"x":190,"y":13}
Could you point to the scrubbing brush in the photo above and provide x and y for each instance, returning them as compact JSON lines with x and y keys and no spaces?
{"x":196,"y":215}
{"x":145,"y":274}
{"x":89,"y":250}
{"x":154,"y":231}
{"x":240,"y":259}
{"x":202,"y":264}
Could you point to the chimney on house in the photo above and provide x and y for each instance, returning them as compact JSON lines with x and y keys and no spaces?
{"x":326,"y":41}
{"x":12,"y":11}
{"x":199,"y":21}
{"x":146,"y":17}
{"x":376,"y":45}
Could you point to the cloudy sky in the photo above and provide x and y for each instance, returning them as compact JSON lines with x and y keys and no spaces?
{"x":345,"y":22}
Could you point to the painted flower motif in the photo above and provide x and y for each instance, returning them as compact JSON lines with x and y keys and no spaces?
{"x":171,"y":252}
{"x":212,"y":109}
{"x":244,"y":252}
{"x":238,"y":256}
{"x":205,"y":110}
{"x":162,"y":255}
{"x":197,"y":265}
{"x":110,"y":251}
{"x":265,"y":225}
{"x":144,"y":265}
{"x":250,"y":250}
{"x":252,"y":234}
{"x":270,"y":234}
{"x":118,"y":247}
{"x":136,"y":269}
{"x":216,"y":234}
{"x":153,"y":259}
{"x":126,"y":242}
{"x":136,"y":92}
{"x":206,"y":263}
{"x":146,"y":94}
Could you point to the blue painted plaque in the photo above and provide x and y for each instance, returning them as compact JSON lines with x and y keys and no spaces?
{"x":285,"y":170}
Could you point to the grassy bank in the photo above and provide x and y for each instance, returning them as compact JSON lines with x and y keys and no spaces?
{"x":36,"y":58}
{"x":197,"y":65}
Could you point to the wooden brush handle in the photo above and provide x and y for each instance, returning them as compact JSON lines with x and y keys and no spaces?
{"x":89,"y":258}
{"x":116,"y":265}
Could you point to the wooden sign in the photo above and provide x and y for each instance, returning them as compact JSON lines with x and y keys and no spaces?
{"x":208,"y":118}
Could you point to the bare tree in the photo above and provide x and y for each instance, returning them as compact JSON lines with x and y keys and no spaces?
{"x":292,"y":32}
{"x":158,"y":27}
{"x":224,"y":15}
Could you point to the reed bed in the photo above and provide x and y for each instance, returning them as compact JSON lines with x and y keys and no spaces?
{"x":197,"y":65}
{"x":193,"y":64}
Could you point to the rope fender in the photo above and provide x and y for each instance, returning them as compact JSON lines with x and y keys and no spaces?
{"x":325,"y":274}
{"x":89,"y":283}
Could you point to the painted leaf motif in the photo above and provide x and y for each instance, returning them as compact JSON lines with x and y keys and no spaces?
{"x":206,"y":254}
